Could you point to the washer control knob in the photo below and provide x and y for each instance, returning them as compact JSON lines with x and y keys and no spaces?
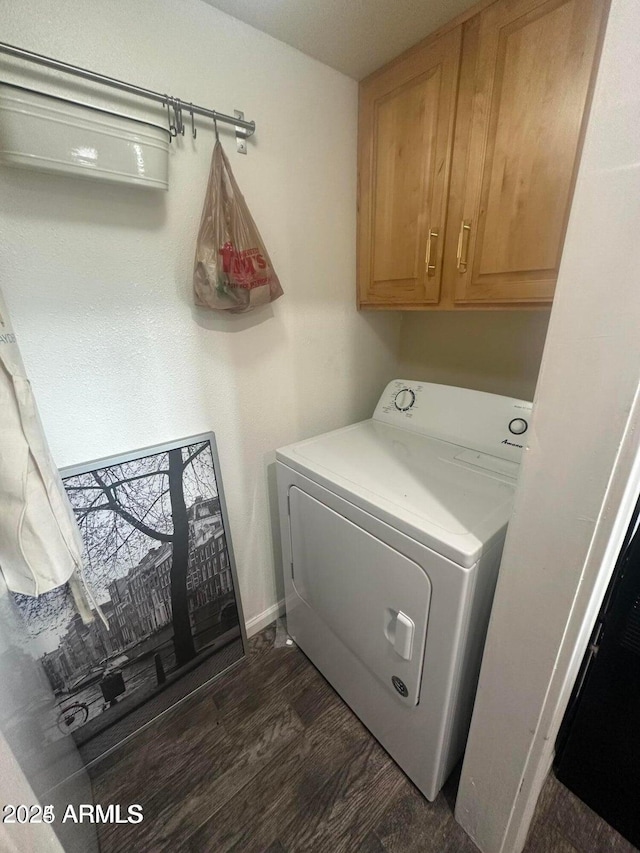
{"x":404,"y":399}
{"x":518,"y":425}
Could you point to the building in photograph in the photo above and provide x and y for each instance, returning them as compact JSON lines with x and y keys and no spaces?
{"x":58,"y":668}
{"x":209,"y":579}
{"x":139,"y":603}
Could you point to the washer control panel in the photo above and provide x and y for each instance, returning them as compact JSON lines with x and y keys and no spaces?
{"x":518,"y":426}
{"x":404,"y":399}
{"x":401,"y":400}
{"x":485,"y":422}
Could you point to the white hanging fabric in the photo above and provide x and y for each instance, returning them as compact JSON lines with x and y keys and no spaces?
{"x":40,"y":544}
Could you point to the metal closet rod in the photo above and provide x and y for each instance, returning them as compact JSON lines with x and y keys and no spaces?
{"x":12,"y":50}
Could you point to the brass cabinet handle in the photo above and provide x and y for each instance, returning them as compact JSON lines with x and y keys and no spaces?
{"x":431,"y":247}
{"x":463,"y":245}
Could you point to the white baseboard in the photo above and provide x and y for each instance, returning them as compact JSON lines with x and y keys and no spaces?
{"x":257,"y":623}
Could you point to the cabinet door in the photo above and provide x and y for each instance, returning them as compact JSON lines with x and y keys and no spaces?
{"x":405,"y":143}
{"x":534,"y":63}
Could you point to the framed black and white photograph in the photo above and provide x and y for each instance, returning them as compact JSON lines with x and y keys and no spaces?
{"x":160,"y":573}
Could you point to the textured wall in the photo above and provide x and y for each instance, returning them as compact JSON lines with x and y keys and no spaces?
{"x":97,"y":278}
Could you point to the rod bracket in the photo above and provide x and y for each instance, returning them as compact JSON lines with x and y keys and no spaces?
{"x":241,"y":133}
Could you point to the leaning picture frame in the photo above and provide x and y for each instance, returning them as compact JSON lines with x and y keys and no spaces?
{"x":161,"y":578}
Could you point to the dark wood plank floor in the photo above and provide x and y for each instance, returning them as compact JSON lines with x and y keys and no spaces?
{"x":269,"y":759}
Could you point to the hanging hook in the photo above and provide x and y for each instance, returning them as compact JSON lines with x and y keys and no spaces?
{"x":215,"y":126}
{"x":172,"y":128}
{"x":194,"y":132}
{"x":177,"y":111}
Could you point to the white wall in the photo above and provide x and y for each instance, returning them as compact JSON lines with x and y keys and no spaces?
{"x":580,"y":475}
{"x":97,"y":278}
{"x":494,"y":351}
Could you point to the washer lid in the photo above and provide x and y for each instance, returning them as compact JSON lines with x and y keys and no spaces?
{"x":453,"y":500}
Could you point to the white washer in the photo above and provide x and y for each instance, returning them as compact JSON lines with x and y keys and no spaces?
{"x":392,"y":533}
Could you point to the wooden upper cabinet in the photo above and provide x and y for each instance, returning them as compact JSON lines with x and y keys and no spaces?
{"x":532,"y":82}
{"x":468,"y":150}
{"x":405,"y":146}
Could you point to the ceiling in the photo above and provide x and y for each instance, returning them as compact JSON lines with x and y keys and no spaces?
{"x":352,"y":36}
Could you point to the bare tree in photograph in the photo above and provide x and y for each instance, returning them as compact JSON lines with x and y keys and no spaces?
{"x":118,"y":507}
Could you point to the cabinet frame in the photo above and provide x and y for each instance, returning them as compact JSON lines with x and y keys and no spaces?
{"x":452,"y":294}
